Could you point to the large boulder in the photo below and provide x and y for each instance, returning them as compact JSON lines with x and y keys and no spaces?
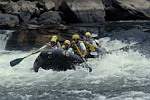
{"x":50,"y":16}
{"x":127,"y":9}
{"x":48,"y":5}
{"x":27,"y":39}
{"x":136,"y":6}
{"x":7,"y":20}
{"x":85,"y":11}
{"x":24,"y":9}
{"x":76,"y":11}
{"x":3,"y":5}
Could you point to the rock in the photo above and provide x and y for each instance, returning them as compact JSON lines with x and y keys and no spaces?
{"x":142,"y":6}
{"x":8,"y":20}
{"x":86,"y":11}
{"x":42,"y":39}
{"x":22,"y":40}
{"x":32,"y":26}
{"x":24,"y":9}
{"x":27,"y":39}
{"x":127,"y":9}
{"x":50,"y":16}
{"x":49,"y":5}
{"x":75,"y":11}
{"x":33,"y":21}
{"x":3,"y":5}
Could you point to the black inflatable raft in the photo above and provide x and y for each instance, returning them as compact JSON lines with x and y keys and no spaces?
{"x":56,"y":59}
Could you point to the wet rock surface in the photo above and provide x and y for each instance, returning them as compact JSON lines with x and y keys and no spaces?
{"x":42,"y":18}
{"x":75,"y":11}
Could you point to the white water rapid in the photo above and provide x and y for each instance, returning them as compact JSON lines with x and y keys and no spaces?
{"x":120,"y":75}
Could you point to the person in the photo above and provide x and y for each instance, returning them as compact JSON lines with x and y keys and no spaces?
{"x":53,"y":44}
{"x":78,"y":46}
{"x":92,"y":46}
{"x":67,"y":46}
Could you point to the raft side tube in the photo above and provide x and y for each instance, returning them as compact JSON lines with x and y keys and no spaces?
{"x":56,"y":59}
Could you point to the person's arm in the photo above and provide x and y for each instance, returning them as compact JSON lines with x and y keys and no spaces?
{"x":63,"y":46}
{"x":83,"y":48}
{"x":70,"y":50}
{"x":58,"y":45}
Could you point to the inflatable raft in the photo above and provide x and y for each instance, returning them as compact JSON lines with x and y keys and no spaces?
{"x":57,"y":60}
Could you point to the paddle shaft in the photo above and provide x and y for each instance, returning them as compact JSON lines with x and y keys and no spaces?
{"x":90,"y":69}
{"x":18,"y":60}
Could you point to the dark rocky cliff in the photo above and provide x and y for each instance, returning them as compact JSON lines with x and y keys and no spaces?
{"x":37,"y":18}
{"x":21,"y":13}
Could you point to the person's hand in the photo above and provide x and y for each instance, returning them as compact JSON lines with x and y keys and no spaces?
{"x":73,"y":42}
{"x":63,"y":46}
{"x":48,"y":44}
{"x":82,"y":56}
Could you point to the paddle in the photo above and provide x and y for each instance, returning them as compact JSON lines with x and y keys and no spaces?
{"x":123,"y":48}
{"x":87,"y":66}
{"x":18,"y":60}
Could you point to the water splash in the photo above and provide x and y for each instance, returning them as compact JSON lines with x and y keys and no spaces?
{"x":115,"y":72}
{"x":4,"y":36}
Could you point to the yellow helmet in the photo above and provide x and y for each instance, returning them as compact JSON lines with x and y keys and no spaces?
{"x":87,"y":34}
{"x":53,"y":40}
{"x":75,"y":36}
{"x":54,"y":36}
{"x":67,"y":42}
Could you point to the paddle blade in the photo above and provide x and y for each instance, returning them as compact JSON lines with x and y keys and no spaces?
{"x":90,"y":69}
{"x":16,"y":61}
{"x":87,"y":66}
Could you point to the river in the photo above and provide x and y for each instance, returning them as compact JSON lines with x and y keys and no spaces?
{"x":122,"y":74}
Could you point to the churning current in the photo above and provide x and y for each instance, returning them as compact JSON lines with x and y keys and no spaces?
{"x":122,"y":74}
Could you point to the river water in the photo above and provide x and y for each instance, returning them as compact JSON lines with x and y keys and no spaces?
{"x":122,"y":74}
